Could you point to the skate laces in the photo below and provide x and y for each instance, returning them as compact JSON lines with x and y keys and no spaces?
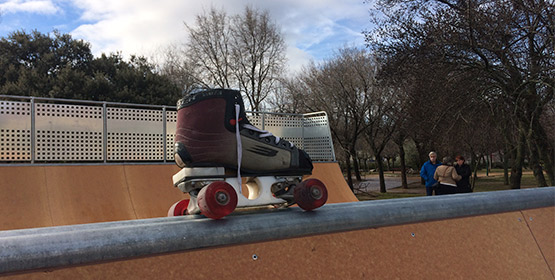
{"x":263,"y":133}
{"x":239,"y":147}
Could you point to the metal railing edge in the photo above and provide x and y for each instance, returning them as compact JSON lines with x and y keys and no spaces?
{"x":41,"y":248}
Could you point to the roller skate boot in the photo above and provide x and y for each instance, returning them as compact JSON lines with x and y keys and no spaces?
{"x":218,"y":150}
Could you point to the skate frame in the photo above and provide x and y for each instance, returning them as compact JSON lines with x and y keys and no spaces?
{"x":189,"y":180}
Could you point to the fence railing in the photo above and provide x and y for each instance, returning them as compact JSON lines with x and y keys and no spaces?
{"x":49,"y":130}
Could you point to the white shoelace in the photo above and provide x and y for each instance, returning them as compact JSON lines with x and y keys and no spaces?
{"x":239,"y":147}
{"x":263,"y":133}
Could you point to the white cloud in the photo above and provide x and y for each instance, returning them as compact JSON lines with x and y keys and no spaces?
{"x":37,"y":7}
{"x":140,"y":28}
{"x":311,"y":28}
{"x":297,"y":59}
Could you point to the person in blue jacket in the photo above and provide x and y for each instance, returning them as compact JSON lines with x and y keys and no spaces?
{"x":428,"y":170}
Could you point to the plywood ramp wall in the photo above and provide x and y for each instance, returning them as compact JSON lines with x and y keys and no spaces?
{"x":500,"y":246}
{"x":39,"y":196}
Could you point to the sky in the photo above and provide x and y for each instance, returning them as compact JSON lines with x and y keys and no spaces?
{"x":312,"y":29}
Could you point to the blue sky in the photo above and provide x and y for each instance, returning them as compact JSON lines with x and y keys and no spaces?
{"x":313,"y":29}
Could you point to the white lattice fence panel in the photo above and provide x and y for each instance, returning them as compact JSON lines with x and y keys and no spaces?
{"x":171,"y":121}
{"x":15,"y":131}
{"x":135,"y":135}
{"x":68,"y":132}
{"x":317,"y":137}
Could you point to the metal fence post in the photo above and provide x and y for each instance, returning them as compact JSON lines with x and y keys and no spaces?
{"x":164,"y":133}
{"x":104,"y":132}
{"x":33,"y":132}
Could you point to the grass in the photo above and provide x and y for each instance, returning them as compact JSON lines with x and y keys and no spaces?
{"x":493,"y":182}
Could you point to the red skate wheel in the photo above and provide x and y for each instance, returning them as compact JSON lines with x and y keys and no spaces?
{"x":217,"y":200}
{"x":179,"y":208}
{"x":310,"y":194}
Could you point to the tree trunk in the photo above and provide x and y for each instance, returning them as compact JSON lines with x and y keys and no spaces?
{"x":349,"y":172}
{"x":535,"y":164}
{"x":366,"y":164}
{"x":403,"y":166}
{"x":546,"y":153}
{"x":508,"y":156}
{"x":382,"y":177}
{"x":487,"y":165}
{"x":549,"y":165}
{"x":355,"y":164}
{"x":475,"y":164}
{"x":518,"y":162}
{"x":393,"y":163}
{"x":505,"y":168}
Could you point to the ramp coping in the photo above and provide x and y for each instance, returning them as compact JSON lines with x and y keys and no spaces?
{"x":40,"y":248}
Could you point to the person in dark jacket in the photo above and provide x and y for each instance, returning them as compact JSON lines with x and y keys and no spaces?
{"x":463,"y":169}
{"x":428,"y":170}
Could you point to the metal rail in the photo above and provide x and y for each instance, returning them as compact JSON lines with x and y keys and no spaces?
{"x":79,"y":244}
{"x":79,"y":101}
{"x":101,"y":103}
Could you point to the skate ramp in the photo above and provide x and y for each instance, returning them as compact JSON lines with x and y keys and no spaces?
{"x":38,"y":196}
{"x":41,"y":196}
{"x":511,"y":245}
{"x":330,"y":174}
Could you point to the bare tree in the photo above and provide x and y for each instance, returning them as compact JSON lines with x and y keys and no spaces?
{"x":509,"y":42}
{"x":209,"y":51}
{"x":258,"y":52}
{"x":381,"y":123}
{"x":245,"y":51}
{"x":287,"y":99}
{"x":342,"y":87}
{"x":172,"y":64}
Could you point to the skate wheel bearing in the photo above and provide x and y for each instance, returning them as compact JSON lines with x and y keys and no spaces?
{"x":310,"y":194}
{"x":217,"y":200}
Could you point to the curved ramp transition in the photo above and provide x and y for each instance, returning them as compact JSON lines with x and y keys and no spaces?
{"x":511,"y":245}
{"x":42,"y":196}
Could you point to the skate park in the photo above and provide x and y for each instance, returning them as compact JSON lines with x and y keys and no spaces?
{"x":86,"y":187}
